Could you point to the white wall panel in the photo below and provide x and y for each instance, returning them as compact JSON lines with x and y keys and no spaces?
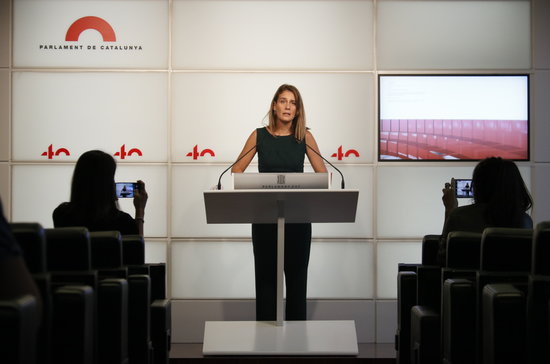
{"x":156,"y":251}
{"x":225,"y":269}
{"x":188,"y":210}
{"x":272,"y":34}
{"x":453,"y":34}
{"x":339,"y":269}
{"x":4,"y":114}
{"x":5,"y":27}
{"x":114,"y":112}
{"x":409,"y":198}
{"x":541,"y":108}
{"x":541,"y":17}
{"x":38,"y":189}
{"x":542,"y":192}
{"x":212,"y":270}
{"x":389,"y":255}
{"x":5,"y":195}
{"x":139,"y":28}
{"x":156,"y":182}
{"x":360,"y":178}
{"x":218,"y":111}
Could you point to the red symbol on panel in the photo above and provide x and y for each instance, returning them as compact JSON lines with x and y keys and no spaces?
{"x":90,"y":22}
{"x":195,"y":153}
{"x":340,"y":154}
{"x":50,"y":153}
{"x":122,"y":153}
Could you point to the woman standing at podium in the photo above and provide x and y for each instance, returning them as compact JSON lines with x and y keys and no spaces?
{"x":281,"y":146}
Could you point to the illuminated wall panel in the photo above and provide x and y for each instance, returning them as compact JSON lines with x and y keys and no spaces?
{"x":4,"y":114}
{"x":453,"y":34}
{"x":209,"y":270}
{"x":216,"y":112}
{"x":5,"y":27}
{"x":4,"y":187}
{"x":124,"y":113}
{"x":542,"y":202}
{"x":37,"y":189}
{"x":81,"y":33}
{"x":156,"y":251}
{"x":541,"y":109}
{"x":212,"y":270}
{"x":541,"y":33}
{"x":263,"y":35}
{"x":340,"y":269}
{"x":389,"y":254}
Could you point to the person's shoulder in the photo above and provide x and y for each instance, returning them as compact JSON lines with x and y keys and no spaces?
{"x":62,"y":208}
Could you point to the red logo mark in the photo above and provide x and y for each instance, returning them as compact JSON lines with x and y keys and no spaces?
{"x":122,"y":153}
{"x":90,"y":22}
{"x":50,"y":153}
{"x":340,"y":154}
{"x":195,"y":153}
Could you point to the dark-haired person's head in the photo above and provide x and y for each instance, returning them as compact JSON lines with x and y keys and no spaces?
{"x":498,"y":183}
{"x":93,"y":184}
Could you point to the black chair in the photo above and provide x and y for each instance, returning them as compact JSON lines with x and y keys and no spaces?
{"x":32,"y":239}
{"x":538,"y":297}
{"x":140,"y":347}
{"x":18,"y":329}
{"x":457,"y":297}
{"x":112,"y":326}
{"x":161,"y":330}
{"x":407,"y":296}
{"x":133,"y":251}
{"x":503,"y":324}
{"x":425,"y":315}
{"x":73,"y":330}
{"x":106,"y":253}
{"x":506,"y":255}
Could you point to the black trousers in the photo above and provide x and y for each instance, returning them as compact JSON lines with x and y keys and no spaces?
{"x":297,"y":249}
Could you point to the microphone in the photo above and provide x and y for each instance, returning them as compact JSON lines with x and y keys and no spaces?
{"x":332,"y":165}
{"x":228,"y":168}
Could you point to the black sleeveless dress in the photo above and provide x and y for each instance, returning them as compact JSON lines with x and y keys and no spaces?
{"x":280,"y":154}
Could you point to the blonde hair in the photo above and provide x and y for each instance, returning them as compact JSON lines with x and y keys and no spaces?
{"x":299,"y":122}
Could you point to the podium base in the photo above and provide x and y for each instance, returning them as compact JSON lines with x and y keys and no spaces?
{"x":292,"y":338}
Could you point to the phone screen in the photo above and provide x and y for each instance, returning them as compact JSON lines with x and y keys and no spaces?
{"x":125,"y":189}
{"x":463,"y":188}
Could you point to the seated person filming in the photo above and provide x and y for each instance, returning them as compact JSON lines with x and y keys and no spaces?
{"x":94,"y":204}
{"x":501,"y":199}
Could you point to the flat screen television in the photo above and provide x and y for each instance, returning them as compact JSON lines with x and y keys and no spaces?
{"x":453,"y":117}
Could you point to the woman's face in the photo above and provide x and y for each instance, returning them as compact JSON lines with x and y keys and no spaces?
{"x":285,"y":107}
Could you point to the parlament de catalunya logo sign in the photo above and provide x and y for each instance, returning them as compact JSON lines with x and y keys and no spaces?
{"x":95,"y":23}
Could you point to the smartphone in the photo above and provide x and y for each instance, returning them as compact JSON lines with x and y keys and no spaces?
{"x":125,"y":189}
{"x":463,"y":188}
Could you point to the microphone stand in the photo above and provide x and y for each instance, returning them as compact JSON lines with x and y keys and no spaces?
{"x":228,"y":168}
{"x":332,"y":165}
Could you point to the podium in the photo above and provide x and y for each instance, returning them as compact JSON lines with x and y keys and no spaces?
{"x":281,"y":337}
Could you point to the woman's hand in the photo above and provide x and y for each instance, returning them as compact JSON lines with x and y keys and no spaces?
{"x":140,"y":199}
{"x":449,"y":197}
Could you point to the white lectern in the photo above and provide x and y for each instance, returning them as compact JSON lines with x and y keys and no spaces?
{"x":280,"y":337}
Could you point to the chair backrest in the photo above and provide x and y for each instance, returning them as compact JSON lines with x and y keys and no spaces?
{"x":68,"y":249}
{"x":506,"y":249}
{"x":133,"y":250}
{"x":541,"y":249}
{"x":463,"y":250}
{"x":430,"y":247}
{"x":32,"y":239}
{"x":106,"y":247}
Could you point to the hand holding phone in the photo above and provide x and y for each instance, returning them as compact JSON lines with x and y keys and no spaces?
{"x":463,"y":188}
{"x":126,"y":189}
